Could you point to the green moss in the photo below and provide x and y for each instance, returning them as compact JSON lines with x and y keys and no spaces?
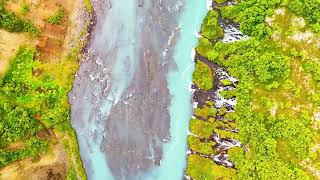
{"x":277,"y":92}
{"x":201,"y":128}
{"x":226,"y":134}
{"x":206,"y":112}
{"x":204,"y":169}
{"x":226,"y":82}
{"x":32,"y":147}
{"x":58,"y":16}
{"x":228,"y":94}
{"x":210,"y":27}
{"x":286,"y":153}
{"x":88,"y":5}
{"x":231,"y":116}
{"x":12,"y":23}
{"x":24,"y":9}
{"x":221,"y":1}
{"x":225,"y":124}
{"x":72,"y":175}
{"x":201,"y":147}
{"x":202,"y":76}
{"x":210,"y":103}
{"x":223,"y":111}
{"x":211,"y":120}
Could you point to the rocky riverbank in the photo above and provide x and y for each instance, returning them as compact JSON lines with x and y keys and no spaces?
{"x":212,"y":129}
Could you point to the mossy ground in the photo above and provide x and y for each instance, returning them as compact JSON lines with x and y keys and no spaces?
{"x":204,"y":169}
{"x":203,"y":76}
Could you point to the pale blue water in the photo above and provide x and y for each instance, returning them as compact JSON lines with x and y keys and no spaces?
{"x":92,"y":98}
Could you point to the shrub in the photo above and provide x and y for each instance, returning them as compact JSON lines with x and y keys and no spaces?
{"x":202,"y":76}
{"x":24,"y":9}
{"x":57,"y":17}
{"x":12,"y":23}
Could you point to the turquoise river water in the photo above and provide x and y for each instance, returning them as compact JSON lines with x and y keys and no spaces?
{"x":118,"y":140}
{"x":179,"y":84}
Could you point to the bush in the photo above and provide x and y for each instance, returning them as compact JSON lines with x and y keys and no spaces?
{"x":28,"y":105}
{"x":251,"y":15}
{"x":204,"y":169}
{"x":210,"y":27}
{"x":12,"y":23}
{"x":24,"y":9}
{"x":57,"y":17}
{"x":202,"y":76}
{"x":226,"y":82}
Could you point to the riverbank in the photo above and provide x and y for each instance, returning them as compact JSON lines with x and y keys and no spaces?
{"x":211,"y":130}
{"x":264,"y":94}
{"x":57,"y":52}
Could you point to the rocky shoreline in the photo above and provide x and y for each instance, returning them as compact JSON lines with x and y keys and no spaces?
{"x":202,"y":99}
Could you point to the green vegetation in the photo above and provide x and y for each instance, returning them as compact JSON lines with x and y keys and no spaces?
{"x":309,"y":10}
{"x":262,"y":59}
{"x":251,"y":16}
{"x":71,"y":145}
{"x":278,"y":69}
{"x":34,"y":102}
{"x":58,"y":16}
{"x":204,"y":169}
{"x":228,"y":94}
{"x":34,"y":107}
{"x":226,"y":82}
{"x":202,"y":76}
{"x":24,"y":9}
{"x":12,"y":23}
{"x":40,"y":96}
{"x":201,"y":147}
{"x":202,"y":129}
{"x":259,"y":62}
{"x":312,"y":67}
{"x":32,"y":147}
{"x":29,"y":104}
{"x":210,"y":28}
{"x":221,"y":1}
{"x":88,"y":5}
{"x":205,"y":112}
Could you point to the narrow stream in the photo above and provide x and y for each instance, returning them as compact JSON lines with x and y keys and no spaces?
{"x":131,"y":99}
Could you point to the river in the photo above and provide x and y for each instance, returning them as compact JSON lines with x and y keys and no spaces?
{"x":131,"y":99}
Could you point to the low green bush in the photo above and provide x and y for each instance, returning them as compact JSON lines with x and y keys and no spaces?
{"x":58,"y":16}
